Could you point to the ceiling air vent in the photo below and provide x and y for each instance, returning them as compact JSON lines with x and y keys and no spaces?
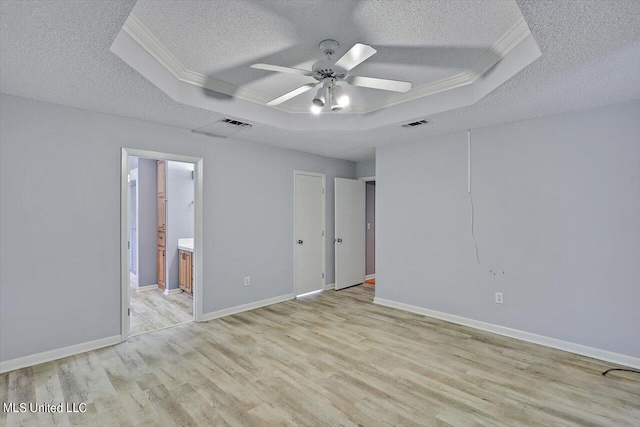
{"x":414,"y":124}
{"x":235,"y":122}
{"x":223,"y":128}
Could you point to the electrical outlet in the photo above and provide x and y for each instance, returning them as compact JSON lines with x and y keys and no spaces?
{"x":247,"y":281}
{"x":499,"y":298}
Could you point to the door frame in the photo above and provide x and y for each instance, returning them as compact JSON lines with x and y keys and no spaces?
{"x":324,"y":226}
{"x":124,"y":230}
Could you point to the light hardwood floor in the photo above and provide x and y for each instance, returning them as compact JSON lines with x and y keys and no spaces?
{"x":152,"y":310}
{"x":331,"y":359}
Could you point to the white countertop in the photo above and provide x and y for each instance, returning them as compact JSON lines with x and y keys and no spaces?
{"x":185,"y":244}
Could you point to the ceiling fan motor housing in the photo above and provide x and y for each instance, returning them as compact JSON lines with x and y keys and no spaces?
{"x":326,"y":68}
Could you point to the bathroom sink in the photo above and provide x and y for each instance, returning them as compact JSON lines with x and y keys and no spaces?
{"x":186,"y":244}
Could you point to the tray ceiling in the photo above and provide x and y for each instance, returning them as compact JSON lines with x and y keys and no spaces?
{"x":438,"y":46}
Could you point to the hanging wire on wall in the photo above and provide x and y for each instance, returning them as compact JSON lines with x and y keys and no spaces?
{"x":473,"y":234}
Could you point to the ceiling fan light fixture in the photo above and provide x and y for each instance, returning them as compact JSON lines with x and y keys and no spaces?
{"x":321,"y":98}
{"x":335,"y":106}
{"x":340,"y":96}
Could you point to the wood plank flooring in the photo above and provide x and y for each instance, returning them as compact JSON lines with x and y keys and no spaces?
{"x":330,"y":359}
{"x":152,"y":310}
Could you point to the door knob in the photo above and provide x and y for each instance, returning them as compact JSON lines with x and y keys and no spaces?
{"x":300,"y":242}
{"x":339,"y":240}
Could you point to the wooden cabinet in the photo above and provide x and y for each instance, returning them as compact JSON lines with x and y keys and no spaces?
{"x":162,"y":224}
{"x":162,"y":179}
{"x":185,"y":271}
{"x":162,"y":215}
{"x":161,"y":267}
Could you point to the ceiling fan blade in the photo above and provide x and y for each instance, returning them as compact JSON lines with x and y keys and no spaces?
{"x":383,"y":84}
{"x":287,"y":96}
{"x":280,"y":69}
{"x":355,"y":56}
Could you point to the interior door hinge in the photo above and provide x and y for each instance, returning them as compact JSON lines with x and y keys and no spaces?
{"x":323,"y":191}
{"x":323,"y":275}
{"x":323,"y":233}
{"x":128,"y":312}
{"x":128,"y":245}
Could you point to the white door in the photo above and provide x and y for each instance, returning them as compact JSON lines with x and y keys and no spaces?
{"x":350,"y":232}
{"x":309,"y":233}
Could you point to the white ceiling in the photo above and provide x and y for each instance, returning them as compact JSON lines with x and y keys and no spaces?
{"x":59,"y":52}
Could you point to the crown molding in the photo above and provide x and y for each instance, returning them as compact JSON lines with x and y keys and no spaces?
{"x":513,"y":37}
{"x":141,"y":34}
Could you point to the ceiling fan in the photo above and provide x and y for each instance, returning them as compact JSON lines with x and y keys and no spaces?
{"x":328,"y":73}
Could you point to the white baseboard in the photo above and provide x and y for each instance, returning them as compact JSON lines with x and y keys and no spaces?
{"x":48,"y":356}
{"x":168,"y":291}
{"x":147,"y":288}
{"x":369,"y":276}
{"x":329,"y":286}
{"x":246,"y":307}
{"x":596,"y":353}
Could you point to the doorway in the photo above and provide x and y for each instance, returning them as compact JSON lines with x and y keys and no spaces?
{"x":133,"y":229}
{"x":161,"y":216}
{"x":370,"y":233}
{"x":309,"y":233}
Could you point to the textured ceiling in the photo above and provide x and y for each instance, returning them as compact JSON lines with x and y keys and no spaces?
{"x":59,"y":52}
{"x":420,"y":41}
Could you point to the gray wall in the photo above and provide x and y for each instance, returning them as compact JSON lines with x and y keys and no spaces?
{"x":147,"y":222}
{"x":60,"y":246}
{"x":557,"y":208}
{"x":366,"y":168}
{"x":370,"y":233}
{"x":180,"y":214}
